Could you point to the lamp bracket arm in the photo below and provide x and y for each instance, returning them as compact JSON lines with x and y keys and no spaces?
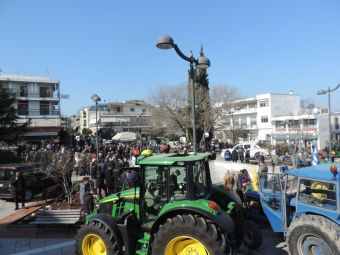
{"x":180,"y":53}
{"x":331,"y":90}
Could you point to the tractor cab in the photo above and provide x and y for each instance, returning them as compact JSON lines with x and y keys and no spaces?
{"x":181,"y":178}
{"x":304,"y":204}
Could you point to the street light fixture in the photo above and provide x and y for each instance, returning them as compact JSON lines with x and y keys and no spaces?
{"x":166,"y":42}
{"x":96,"y":99}
{"x":322,"y":92}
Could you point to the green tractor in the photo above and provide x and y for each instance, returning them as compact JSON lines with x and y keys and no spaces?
{"x":173,"y":209}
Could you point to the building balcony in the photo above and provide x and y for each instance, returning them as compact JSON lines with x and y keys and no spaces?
{"x":25,"y":113}
{"x":23,"y":95}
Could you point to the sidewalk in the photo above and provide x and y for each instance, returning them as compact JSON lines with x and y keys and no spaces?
{"x":22,"y":246}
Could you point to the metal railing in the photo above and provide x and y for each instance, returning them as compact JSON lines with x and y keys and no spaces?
{"x":39,"y":112}
{"x":53,"y":95}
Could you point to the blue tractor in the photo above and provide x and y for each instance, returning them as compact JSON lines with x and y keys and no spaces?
{"x":304,"y":205}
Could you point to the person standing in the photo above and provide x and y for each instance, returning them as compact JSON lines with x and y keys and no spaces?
{"x":93,"y":170}
{"x":101,"y":181}
{"x":19,"y":187}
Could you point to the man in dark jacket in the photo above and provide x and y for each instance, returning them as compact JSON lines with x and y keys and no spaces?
{"x":19,"y":187}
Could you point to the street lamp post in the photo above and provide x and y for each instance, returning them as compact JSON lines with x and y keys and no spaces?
{"x":165,"y":42}
{"x":231,"y":112}
{"x":96,"y":99}
{"x":322,"y":92}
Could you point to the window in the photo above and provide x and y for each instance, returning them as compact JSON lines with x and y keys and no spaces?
{"x":200,"y":179}
{"x":143,"y":110}
{"x":264,"y":103}
{"x":84,"y":114}
{"x":318,"y":193}
{"x":264,"y":119}
{"x":22,"y":107}
{"x":44,"y":108}
{"x":336,"y":123}
{"x":132,"y":109}
{"x":155,"y":191}
{"x":177,"y":183}
{"x":84,"y":123}
{"x":45,"y":92}
{"x":243,"y":121}
{"x":280,"y":124}
{"x":23,"y":91}
{"x":309,"y":123}
{"x":294,"y":123}
{"x":252,"y":105}
{"x":253,"y":121}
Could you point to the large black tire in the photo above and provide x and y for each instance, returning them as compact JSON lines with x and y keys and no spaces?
{"x":179,"y":232}
{"x":95,"y":238}
{"x":310,"y":232}
{"x":252,"y":235}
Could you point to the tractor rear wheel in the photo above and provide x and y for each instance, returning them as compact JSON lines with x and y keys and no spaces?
{"x":190,"y":234}
{"x":95,"y":238}
{"x":252,"y":235}
{"x":312,"y":234}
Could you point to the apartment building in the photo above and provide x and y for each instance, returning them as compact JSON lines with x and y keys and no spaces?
{"x":38,"y":100}
{"x":251,"y":117}
{"x":278,"y":118}
{"x":131,"y":115}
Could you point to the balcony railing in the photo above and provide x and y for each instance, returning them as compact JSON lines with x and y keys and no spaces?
{"x":53,"y":95}
{"x":41,"y":112}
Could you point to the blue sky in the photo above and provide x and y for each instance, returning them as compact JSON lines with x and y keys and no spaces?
{"x":108,"y":47}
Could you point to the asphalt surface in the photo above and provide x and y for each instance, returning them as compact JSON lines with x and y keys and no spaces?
{"x":61,"y":242}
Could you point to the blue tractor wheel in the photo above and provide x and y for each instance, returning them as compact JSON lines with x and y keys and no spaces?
{"x":313,"y":235}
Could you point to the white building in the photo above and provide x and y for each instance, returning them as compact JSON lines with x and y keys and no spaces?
{"x":132,"y":115}
{"x":277,"y":118}
{"x":252,"y":116}
{"x":38,"y":100}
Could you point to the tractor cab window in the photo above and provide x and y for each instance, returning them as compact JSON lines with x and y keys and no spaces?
{"x":177,"y":183}
{"x":155,"y":191}
{"x":272,"y":192}
{"x":318,"y":193}
{"x":200,"y":179}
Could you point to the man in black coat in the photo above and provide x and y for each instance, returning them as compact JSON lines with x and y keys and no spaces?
{"x":19,"y":187}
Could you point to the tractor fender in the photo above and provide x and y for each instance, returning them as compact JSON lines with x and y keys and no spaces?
{"x":221,"y":219}
{"x":111,"y":224}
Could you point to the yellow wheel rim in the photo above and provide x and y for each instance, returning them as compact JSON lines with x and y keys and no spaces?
{"x":185,"y":245}
{"x":93,"y":245}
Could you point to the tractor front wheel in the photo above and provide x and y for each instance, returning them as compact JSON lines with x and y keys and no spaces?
{"x":95,"y":238}
{"x":252,"y":235}
{"x":312,"y":234}
{"x":190,"y":235}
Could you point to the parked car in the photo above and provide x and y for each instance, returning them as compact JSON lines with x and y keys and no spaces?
{"x":255,"y":150}
{"x":36,"y":182}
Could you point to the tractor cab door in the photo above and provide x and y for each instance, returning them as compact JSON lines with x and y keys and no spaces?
{"x":271,"y":201}
{"x":160,"y":185}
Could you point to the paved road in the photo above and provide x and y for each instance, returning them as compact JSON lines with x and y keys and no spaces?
{"x":45,"y":244}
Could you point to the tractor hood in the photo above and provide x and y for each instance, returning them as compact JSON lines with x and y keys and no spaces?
{"x":129,"y":193}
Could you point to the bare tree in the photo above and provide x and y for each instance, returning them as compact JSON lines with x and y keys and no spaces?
{"x":173,"y":109}
{"x":56,"y":165}
{"x":221,"y":97}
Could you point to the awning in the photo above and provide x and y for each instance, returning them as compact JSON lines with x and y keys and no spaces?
{"x":125,"y":137}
